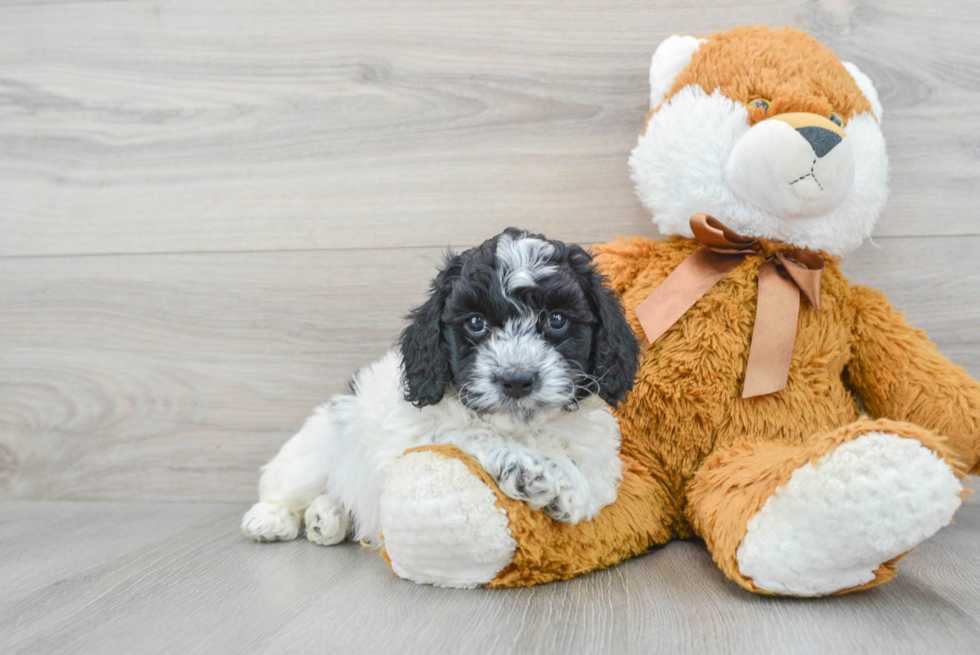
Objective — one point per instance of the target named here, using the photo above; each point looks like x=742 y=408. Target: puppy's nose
x=517 y=384
x=820 y=139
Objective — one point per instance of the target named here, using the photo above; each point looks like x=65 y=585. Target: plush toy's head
x=769 y=132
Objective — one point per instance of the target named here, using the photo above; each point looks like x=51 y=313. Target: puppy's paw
x=326 y=522
x=570 y=506
x=531 y=477
x=268 y=522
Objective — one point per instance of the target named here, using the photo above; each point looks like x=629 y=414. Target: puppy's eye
x=477 y=326
x=557 y=322
x=760 y=103
x=835 y=118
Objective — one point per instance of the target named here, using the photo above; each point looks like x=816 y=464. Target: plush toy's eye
x=835 y=118
x=477 y=326
x=557 y=322
x=760 y=103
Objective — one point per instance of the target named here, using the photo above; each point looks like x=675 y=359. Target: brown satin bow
x=781 y=280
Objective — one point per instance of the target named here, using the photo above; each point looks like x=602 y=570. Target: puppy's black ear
x=615 y=349
x=426 y=365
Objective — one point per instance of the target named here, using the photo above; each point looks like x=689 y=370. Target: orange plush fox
x=745 y=425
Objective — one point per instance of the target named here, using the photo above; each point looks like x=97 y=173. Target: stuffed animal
x=790 y=419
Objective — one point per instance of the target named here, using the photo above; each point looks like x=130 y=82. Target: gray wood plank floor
x=212 y=211
x=101 y=577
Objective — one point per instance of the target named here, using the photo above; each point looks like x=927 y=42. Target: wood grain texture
x=212 y=212
x=176 y=376
x=178 y=578
x=235 y=125
x=158 y=377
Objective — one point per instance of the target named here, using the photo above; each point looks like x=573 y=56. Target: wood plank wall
x=211 y=212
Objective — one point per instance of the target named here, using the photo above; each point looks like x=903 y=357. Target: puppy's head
x=517 y=326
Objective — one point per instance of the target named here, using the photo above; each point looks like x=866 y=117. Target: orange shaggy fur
x=789 y=68
x=699 y=460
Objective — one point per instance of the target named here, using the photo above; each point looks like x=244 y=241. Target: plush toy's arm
x=899 y=374
x=446 y=522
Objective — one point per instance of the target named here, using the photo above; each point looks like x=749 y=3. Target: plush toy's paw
x=441 y=524
x=326 y=522
x=530 y=477
x=837 y=521
x=268 y=522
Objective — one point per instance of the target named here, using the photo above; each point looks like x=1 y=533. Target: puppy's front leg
x=526 y=475
x=555 y=486
x=574 y=502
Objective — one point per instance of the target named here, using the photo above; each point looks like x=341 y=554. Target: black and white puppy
x=515 y=358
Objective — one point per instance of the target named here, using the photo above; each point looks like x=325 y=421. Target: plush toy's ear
x=424 y=358
x=616 y=352
x=672 y=56
x=867 y=87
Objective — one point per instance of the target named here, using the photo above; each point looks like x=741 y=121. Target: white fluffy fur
x=867 y=87
x=679 y=168
x=671 y=57
x=460 y=522
x=347 y=448
x=836 y=521
x=523 y=261
x=271 y=522
x=327 y=523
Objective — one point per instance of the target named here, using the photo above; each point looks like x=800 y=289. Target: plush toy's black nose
x=517 y=384
x=820 y=139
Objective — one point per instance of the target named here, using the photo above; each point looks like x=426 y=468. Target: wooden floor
x=97 y=577
x=211 y=211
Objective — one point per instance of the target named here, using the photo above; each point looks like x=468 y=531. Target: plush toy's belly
x=687 y=401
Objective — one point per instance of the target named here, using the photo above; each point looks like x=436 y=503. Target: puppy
x=515 y=358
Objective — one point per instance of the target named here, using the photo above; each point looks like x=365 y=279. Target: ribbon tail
x=682 y=288
x=806 y=273
x=773 y=334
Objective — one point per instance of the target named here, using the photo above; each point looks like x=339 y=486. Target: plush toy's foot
x=441 y=524
x=268 y=522
x=837 y=521
x=326 y=522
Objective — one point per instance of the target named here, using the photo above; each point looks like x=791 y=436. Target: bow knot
x=782 y=277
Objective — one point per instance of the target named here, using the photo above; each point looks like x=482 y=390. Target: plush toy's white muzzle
x=792 y=165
